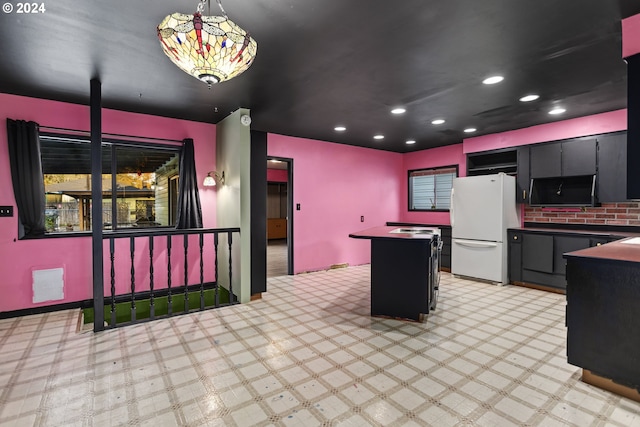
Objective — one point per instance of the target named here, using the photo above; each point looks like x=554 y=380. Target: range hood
x=563 y=191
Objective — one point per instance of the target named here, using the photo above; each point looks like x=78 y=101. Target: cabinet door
x=612 y=168
x=537 y=252
x=564 y=244
x=546 y=160
x=579 y=157
x=522 y=179
x=515 y=257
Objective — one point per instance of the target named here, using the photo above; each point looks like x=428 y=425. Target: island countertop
x=627 y=250
x=390 y=232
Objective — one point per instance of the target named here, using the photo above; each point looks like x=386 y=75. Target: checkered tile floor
x=309 y=354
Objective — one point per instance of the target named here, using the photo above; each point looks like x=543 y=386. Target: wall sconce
x=211 y=181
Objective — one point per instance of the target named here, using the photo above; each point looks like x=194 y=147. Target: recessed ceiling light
x=340 y=128
x=493 y=80
x=378 y=137
x=529 y=98
x=557 y=110
x=411 y=141
x=398 y=110
x=437 y=121
x=470 y=130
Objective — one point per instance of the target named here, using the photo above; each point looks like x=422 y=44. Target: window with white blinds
x=430 y=189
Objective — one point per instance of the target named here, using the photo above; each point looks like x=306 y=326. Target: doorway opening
x=279 y=216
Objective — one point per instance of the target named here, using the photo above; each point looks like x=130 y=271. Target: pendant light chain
x=200 y=7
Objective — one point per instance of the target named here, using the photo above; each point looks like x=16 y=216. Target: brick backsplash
x=627 y=213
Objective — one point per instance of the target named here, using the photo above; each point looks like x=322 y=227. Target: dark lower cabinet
x=536 y=257
x=445 y=256
x=515 y=256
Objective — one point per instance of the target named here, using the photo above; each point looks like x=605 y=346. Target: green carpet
x=161 y=304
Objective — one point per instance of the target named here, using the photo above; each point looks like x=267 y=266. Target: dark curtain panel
x=189 y=210
x=26 y=174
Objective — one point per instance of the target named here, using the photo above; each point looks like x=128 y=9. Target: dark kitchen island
x=404 y=270
x=603 y=315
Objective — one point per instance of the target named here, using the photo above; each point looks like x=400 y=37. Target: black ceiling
x=327 y=62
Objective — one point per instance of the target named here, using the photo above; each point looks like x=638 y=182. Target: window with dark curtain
x=26 y=175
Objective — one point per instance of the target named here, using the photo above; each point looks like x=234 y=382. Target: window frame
x=112 y=143
x=410 y=189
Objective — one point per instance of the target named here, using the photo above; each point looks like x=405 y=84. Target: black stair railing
x=137 y=293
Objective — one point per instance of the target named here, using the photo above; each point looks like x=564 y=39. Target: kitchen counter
x=404 y=270
x=579 y=232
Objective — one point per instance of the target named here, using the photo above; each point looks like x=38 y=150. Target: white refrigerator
x=482 y=208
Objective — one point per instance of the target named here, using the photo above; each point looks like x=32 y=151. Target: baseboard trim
x=540 y=287
x=607 y=384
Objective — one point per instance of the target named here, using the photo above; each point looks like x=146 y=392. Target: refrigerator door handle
x=475 y=243
x=451 y=216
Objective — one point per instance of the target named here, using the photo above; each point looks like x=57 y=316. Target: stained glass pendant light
x=210 y=48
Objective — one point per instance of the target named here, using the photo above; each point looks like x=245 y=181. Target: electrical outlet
x=6 y=210
x=298 y=206
x=362 y=218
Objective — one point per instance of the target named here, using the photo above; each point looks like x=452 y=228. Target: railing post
x=186 y=273
x=201 y=243
x=230 y=240
x=215 y=266
x=152 y=307
x=132 y=248
x=169 y=301
x=112 y=254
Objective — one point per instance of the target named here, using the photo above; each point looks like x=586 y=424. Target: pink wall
x=630 y=35
x=590 y=125
x=277 y=175
x=18 y=258
x=335 y=184
x=432 y=158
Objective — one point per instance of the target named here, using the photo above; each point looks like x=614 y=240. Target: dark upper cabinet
x=579 y=157
x=545 y=160
x=523 y=177
x=490 y=162
x=573 y=157
x=612 y=167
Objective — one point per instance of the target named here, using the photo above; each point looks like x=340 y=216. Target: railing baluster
x=169 y=301
x=215 y=266
x=230 y=240
x=186 y=273
x=132 y=248
x=112 y=254
x=152 y=307
x=201 y=243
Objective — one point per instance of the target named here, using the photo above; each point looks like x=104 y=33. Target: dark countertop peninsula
x=603 y=300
